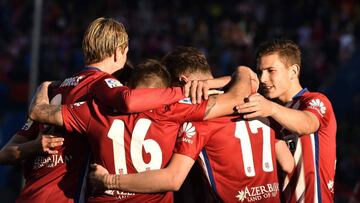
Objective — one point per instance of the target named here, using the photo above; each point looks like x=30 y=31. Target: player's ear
x=183 y=79
x=294 y=71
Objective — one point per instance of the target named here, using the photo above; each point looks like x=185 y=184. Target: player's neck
x=290 y=93
x=105 y=66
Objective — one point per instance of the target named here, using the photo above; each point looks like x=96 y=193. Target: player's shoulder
x=317 y=101
x=79 y=77
x=314 y=94
x=315 y=97
x=108 y=80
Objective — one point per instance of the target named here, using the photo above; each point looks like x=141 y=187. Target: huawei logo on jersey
x=318 y=105
x=186 y=132
x=188 y=129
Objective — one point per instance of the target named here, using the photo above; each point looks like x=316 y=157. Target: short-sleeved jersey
x=130 y=143
x=238 y=155
x=60 y=177
x=315 y=154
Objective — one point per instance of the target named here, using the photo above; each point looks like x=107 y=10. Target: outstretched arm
x=167 y=179
x=240 y=88
x=40 y=109
x=297 y=121
x=20 y=148
x=128 y=101
x=201 y=89
x=109 y=92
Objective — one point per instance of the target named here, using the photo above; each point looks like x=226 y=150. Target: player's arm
x=40 y=109
x=20 y=147
x=219 y=82
x=123 y=99
x=297 y=121
x=224 y=104
x=284 y=157
x=74 y=117
x=167 y=179
x=112 y=94
x=201 y=89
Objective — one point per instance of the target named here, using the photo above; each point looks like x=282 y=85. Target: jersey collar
x=299 y=94
x=87 y=68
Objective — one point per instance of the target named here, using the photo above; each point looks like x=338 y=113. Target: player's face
x=275 y=77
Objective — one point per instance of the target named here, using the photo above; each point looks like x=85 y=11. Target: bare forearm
x=148 y=182
x=45 y=113
x=13 y=154
x=9 y=155
x=299 y=122
x=224 y=104
x=284 y=157
x=219 y=82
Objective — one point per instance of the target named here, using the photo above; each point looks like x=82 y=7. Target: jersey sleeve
x=76 y=117
x=319 y=105
x=111 y=93
x=30 y=129
x=184 y=111
x=192 y=137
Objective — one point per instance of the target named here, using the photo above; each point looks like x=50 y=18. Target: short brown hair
x=185 y=60
x=288 y=51
x=102 y=37
x=150 y=73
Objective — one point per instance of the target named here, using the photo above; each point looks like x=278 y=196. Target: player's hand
x=244 y=72
x=48 y=143
x=196 y=90
x=97 y=177
x=254 y=82
x=256 y=106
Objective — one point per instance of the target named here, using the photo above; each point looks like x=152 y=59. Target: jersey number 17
x=242 y=133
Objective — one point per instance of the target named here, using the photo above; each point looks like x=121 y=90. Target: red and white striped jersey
x=315 y=154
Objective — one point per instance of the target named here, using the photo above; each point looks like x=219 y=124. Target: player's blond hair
x=289 y=52
x=102 y=37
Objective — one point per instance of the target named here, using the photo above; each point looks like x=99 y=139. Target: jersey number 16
x=116 y=133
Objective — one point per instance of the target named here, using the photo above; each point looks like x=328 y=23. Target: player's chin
x=270 y=95
x=267 y=94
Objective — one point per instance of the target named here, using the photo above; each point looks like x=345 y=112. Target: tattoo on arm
x=210 y=105
x=46 y=112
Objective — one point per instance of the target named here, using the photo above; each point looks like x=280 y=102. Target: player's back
x=130 y=143
x=59 y=177
x=238 y=156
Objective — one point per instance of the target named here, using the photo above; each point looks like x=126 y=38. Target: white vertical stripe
x=300 y=184
x=203 y=164
x=315 y=171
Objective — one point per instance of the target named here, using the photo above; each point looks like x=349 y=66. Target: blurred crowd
x=328 y=32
